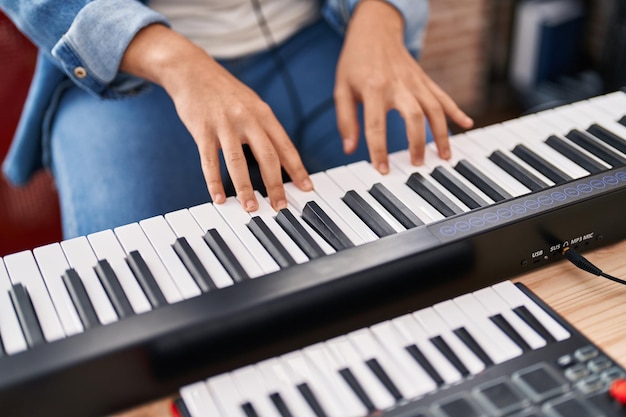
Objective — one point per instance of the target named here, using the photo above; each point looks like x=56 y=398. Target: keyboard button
x=585 y=160
x=366 y=213
x=321 y=222
x=570 y=406
x=146 y=279
x=482 y=181
x=540 y=382
x=114 y=290
x=10 y=330
x=22 y=303
x=456 y=187
x=518 y=172
x=500 y=397
x=79 y=297
x=395 y=206
x=458 y=406
x=193 y=264
x=227 y=258
x=541 y=165
x=270 y=242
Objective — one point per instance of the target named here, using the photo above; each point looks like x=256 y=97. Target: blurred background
x=499 y=59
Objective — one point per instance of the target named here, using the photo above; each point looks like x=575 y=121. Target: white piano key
x=327 y=369
x=132 y=238
x=332 y=194
x=267 y=213
x=403 y=164
x=208 y=218
x=496 y=305
x=413 y=331
x=434 y=326
x=516 y=298
x=80 y=256
x=277 y=380
x=10 y=329
x=162 y=238
x=52 y=264
x=535 y=143
x=298 y=199
x=347 y=181
x=474 y=310
x=253 y=387
x=237 y=219
x=368 y=348
x=198 y=400
x=184 y=225
x=455 y=318
x=395 y=181
x=395 y=345
x=614 y=104
x=299 y=371
x=225 y=394
x=348 y=358
x=23 y=269
x=106 y=247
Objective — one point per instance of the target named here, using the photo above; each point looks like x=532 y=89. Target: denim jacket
x=83 y=41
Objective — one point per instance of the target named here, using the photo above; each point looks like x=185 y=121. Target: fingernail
x=250 y=205
x=280 y=204
x=346 y=145
x=445 y=154
x=383 y=168
x=218 y=198
x=417 y=161
x=307 y=184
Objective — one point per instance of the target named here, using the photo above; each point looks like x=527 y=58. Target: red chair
x=29 y=216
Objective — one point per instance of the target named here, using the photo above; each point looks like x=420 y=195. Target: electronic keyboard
x=496 y=351
x=126 y=315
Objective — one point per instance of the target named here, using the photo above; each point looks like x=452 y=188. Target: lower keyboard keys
x=570 y=406
x=540 y=382
x=458 y=406
x=500 y=397
x=26 y=315
x=79 y=297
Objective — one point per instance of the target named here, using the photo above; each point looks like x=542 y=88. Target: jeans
x=118 y=161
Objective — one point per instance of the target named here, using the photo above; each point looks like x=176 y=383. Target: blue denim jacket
x=82 y=42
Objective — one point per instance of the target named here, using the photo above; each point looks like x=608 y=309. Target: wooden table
x=595 y=305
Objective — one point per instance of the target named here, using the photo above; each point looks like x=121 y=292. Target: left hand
x=376 y=69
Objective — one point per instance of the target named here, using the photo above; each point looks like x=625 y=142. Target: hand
x=376 y=69
x=220 y=112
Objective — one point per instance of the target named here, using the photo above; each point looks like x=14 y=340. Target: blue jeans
x=118 y=161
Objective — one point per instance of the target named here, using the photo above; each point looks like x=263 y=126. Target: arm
x=220 y=112
x=377 y=69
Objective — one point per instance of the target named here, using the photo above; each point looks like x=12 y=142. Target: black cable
x=583 y=263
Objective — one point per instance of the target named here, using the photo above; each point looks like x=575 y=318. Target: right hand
x=220 y=112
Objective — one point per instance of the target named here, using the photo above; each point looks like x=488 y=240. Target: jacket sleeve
x=85 y=39
x=414 y=12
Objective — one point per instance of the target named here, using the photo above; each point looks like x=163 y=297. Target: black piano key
x=248 y=410
x=357 y=388
x=395 y=207
x=225 y=256
x=581 y=139
x=280 y=405
x=2 y=352
x=190 y=259
x=417 y=354
x=623 y=120
x=432 y=195
x=456 y=187
x=608 y=137
x=270 y=242
x=367 y=213
x=146 y=279
x=298 y=234
x=315 y=217
x=114 y=290
x=575 y=155
x=532 y=321
x=517 y=171
x=481 y=181
x=311 y=400
x=384 y=378
x=181 y=408
x=541 y=165
x=474 y=346
x=449 y=354
x=81 y=300
x=26 y=315
x=510 y=331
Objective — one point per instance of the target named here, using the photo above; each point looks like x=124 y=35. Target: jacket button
x=80 y=72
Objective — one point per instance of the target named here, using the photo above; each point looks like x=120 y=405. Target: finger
x=375 y=114
x=414 y=120
x=269 y=165
x=450 y=108
x=210 y=161
x=347 y=120
x=289 y=157
x=437 y=121
x=238 y=170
